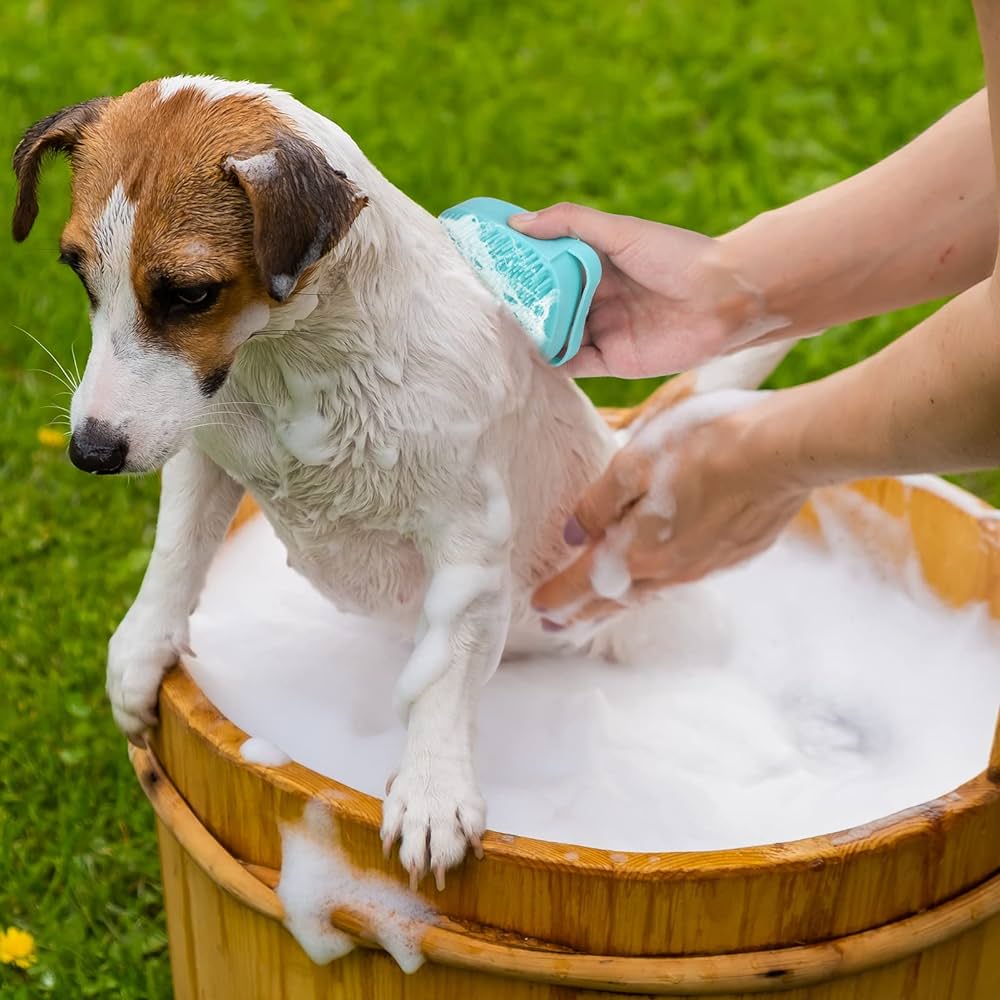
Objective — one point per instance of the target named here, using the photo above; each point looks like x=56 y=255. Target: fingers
x=604 y=232
x=561 y=597
x=592 y=609
x=603 y=503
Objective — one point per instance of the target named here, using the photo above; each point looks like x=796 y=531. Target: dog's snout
x=97 y=447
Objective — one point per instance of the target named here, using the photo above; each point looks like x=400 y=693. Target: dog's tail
x=744 y=370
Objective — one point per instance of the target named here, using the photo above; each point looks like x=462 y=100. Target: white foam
x=258 y=751
x=451 y=590
x=317 y=877
x=658 y=434
x=797 y=695
x=609 y=573
x=518 y=296
x=665 y=427
x=499 y=518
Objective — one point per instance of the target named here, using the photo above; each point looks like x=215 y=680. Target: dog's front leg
x=197 y=502
x=433 y=805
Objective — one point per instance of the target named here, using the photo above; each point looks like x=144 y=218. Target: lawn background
x=695 y=113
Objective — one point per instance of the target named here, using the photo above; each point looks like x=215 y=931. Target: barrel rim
x=477 y=947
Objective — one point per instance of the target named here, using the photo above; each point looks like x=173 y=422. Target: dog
x=271 y=315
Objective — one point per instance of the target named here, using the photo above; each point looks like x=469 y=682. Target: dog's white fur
x=411 y=449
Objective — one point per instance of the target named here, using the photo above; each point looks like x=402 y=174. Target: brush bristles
x=513 y=271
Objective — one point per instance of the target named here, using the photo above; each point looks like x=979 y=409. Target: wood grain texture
x=601 y=904
x=448 y=943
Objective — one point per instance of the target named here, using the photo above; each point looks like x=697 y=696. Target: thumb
x=604 y=502
x=603 y=231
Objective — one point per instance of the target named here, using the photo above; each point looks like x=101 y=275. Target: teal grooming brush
x=547 y=284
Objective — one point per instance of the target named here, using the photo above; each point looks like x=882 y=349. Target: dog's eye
x=74 y=259
x=191 y=299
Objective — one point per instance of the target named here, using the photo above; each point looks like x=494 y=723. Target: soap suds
x=664 y=427
x=498 y=513
x=514 y=286
x=386 y=456
x=609 y=573
x=317 y=877
x=451 y=590
x=658 y=433
x=258 y=751
x=299 y=423
x=802 y=693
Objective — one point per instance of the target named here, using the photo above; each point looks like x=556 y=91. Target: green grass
x=697 y=113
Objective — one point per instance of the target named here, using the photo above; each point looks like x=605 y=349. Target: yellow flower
x=51 y=438
x=17 y=947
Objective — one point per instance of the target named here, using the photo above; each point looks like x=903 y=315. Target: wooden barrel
x=907 y=908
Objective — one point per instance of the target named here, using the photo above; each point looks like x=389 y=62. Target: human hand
x=694 y=490
x=666 y=301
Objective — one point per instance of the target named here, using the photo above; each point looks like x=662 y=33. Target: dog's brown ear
x=302 y=208
x=59 y=133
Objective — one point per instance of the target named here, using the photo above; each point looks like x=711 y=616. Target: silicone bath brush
x=548 y=285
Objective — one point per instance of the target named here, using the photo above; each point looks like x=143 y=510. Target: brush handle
x=590 y=264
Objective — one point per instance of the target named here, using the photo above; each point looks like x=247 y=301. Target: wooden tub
x=907 y=908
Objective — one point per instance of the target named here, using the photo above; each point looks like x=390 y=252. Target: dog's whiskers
x=57 y=377
x=76 y=364
x=198 y=427
x=67 y=378
x=237 y=402
x=224 y=409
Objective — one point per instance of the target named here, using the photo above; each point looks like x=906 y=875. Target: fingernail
x=550 y=626
x=523 y=217
x=573 y=533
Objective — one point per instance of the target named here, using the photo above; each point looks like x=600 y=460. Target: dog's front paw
x=435 y=811
x=140 y=652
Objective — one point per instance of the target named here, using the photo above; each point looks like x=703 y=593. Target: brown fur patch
x=194 y=223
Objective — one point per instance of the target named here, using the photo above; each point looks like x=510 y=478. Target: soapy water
x=802 y=693
x=515 y=285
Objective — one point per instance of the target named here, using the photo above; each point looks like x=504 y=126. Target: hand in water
x=666 y=301
x=690 y=493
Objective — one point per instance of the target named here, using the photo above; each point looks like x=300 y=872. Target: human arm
x=916 y=226
x=728 y=486
x=928 y=402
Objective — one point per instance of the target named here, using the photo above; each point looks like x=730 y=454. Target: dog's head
x=196 y=209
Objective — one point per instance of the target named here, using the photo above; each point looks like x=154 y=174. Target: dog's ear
x=302 y=208
x=59 y=133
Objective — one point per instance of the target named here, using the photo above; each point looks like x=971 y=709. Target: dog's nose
x=97 y=447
